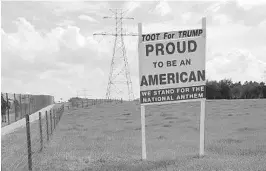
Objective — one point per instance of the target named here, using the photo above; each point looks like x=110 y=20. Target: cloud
x=66 y=23
x=131 y=6
x=60 y=8
x=221 y=19
x=248 y=5
x=72 y=38
x=215 y=7
x=87 y=18
x=29 y=40
x=27 y=43
x=236 y=12
x=61 y=56
x=238 y=64
x=163 y=8
x=262 y=24
x=186 y=16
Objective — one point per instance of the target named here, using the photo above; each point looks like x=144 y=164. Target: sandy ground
x=108 y=137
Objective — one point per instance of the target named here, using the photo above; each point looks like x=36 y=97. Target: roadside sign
x=171 y=70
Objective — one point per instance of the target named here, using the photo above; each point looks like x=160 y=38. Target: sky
x=49 y=47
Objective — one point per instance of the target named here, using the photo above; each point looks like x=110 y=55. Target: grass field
x=108 y=137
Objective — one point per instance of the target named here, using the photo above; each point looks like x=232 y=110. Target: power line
x=264 y=76
x=85 y=92
x=82 y=92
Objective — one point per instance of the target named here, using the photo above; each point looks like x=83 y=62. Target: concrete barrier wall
x=22 y=122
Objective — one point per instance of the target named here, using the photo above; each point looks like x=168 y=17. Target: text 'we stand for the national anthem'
x=172 y=94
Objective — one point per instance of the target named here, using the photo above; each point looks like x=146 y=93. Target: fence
x=21 y=105
x=90 y=102
x=38 y=133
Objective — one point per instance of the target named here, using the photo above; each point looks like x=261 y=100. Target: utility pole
x=264 y=76
x=119 y=70
x=84 y=93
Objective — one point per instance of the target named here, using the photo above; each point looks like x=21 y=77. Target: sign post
x=172 y=70
x=142 y=107
x=202 y=108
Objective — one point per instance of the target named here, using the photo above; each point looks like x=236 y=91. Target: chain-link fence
x=21 y=148
x=16 y=106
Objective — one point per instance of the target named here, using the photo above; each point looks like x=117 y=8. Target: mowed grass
x=108 y=137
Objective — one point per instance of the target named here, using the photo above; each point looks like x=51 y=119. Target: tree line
x=226 y=89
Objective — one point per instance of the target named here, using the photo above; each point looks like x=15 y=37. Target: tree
x=236 y=91
x=264 y=91
x=225 y=90
x=213 y=90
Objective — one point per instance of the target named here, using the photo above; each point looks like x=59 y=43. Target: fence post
x=57 y=117
x=33 y=104
x=54 y=119
x=29 y=103
x=47 y=126
x=7 y=108
x=51 y=121
x=54 y=114
x=25 y=112
x=40 y=124
x=15 y=107
x=62 y=110
x=20 y=106
x=28 y=142
x=58 y=113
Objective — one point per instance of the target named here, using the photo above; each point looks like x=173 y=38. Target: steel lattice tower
x=263 y=76
x=119 y=76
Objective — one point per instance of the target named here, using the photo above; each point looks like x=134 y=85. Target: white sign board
x=172 y=69
x=172 y=66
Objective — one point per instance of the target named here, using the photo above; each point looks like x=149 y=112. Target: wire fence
x=15 y=106
x=82 y=103
x=22 y=148
x=19 y=151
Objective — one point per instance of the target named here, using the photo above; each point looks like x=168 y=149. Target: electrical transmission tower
x=264 y=76
x=84 y=93
x=119 y=77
